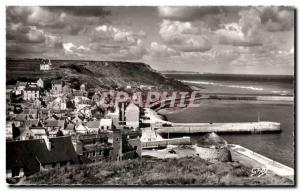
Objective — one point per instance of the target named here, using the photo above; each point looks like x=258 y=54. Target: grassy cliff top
x=147 y=171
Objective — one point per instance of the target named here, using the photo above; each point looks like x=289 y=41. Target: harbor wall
x=246 y=127
x=263 y=162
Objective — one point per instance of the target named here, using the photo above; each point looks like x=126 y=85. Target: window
x=102 y=127
x=94 y=153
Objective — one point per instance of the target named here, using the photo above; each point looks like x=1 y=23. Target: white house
x=132 y=115
x=45 y=65
x=31 y=92
x=105 y=124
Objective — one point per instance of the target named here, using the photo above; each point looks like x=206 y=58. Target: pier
x=166 y=142
x=242 y=127
x=261 y=161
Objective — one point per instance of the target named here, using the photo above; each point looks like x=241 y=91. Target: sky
x=205 y=39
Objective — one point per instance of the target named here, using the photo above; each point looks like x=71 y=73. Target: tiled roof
x=29 y=153
x=93 y=124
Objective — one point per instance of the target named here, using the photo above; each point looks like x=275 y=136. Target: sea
x=277 y=146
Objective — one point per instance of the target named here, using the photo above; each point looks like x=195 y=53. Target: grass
x=184 y=171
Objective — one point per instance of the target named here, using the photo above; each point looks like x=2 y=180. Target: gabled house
x=31 y=92
x=81 y=129
x=69 y=129
x=45 y=65
x=20 y=86
x=56 y=87
x=52 y=124
x=93 y=126
x=30 y=156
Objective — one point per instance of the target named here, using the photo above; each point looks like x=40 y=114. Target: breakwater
x=242 y=127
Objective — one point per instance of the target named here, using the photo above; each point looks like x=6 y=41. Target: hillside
x=104 y=74
x=184 y=171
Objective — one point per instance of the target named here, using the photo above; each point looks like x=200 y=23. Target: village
x=50 y=124
x=63 y=126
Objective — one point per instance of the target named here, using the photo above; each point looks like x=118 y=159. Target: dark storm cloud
x=86 y=11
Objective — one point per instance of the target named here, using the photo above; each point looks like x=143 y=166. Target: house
x=94 y=147
x=81 y=129
x=31 y=92
x=40 y=83
x=93 y=126
x=9 y=130
x=58 y=104
x=56 y=87
x=115 y=116
x=52 y=124
x=69 y=129
x=30 y=156
x=66 y=89
x=38 y=132
x=45 y=65
x=32 y=113
x=20 y=119
x=132 y=115
x=25 y=134
x=20 y=86
x=105 y=124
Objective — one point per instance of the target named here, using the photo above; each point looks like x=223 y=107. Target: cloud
x=116 y=36
x=117 y=43
x=247 y=32
x=277 y=18
x=183 y=36
x=36 y=16
x=61 y=19
x=161 y=50
x=71 y=49
x=30 y=40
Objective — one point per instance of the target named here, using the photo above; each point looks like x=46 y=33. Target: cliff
x=104 y=74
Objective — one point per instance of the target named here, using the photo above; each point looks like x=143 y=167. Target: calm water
x=279 y=146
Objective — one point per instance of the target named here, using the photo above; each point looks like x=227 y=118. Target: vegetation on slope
x=105 y=74
x=184 y=171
